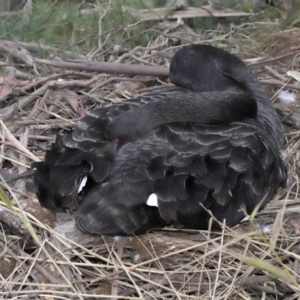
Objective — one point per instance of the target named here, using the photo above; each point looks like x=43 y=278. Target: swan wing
x=191 y=169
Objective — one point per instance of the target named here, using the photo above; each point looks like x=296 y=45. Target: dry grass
x=256 y=260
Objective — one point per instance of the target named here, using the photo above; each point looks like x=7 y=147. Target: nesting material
x=286 y=97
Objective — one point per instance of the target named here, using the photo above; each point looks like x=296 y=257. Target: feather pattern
x=212 y=143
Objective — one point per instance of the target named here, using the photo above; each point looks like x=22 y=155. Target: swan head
x=205 y=68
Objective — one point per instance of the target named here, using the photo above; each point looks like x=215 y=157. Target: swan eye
x=152 y=200
x=82 y=184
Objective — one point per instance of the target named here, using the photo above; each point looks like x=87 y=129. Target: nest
x=44 y=256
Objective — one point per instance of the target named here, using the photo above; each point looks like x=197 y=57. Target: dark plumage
x=214 y=139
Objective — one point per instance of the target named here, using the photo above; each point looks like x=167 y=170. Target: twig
x=273 y=60
x=275 y=74
x=50 y=49
x=21 y=184
x=20 y=176
x=147 y=262
x=43 y=80
x=14 y=142
x=111 y=68
x=15 y=51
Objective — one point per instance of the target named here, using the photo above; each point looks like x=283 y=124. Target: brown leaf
x=73 y=99
x=6 y=90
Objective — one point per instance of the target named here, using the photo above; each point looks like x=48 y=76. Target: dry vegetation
x=256 y=260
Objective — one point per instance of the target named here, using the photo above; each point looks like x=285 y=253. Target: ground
x=44 y=256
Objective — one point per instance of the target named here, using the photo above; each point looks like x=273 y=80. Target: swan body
x=209 y=145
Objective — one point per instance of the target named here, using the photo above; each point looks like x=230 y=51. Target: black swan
x=210 y=145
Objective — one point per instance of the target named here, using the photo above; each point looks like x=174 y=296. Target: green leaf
x=4 y=198
x=279 y=273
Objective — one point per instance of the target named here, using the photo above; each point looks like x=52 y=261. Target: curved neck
x=205 y=68
x=215 y=87
x=182 y=105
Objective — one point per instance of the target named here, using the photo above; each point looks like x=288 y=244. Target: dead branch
x=15 y=143
x=15 y=52
x=110 y=68
x=273 y=60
